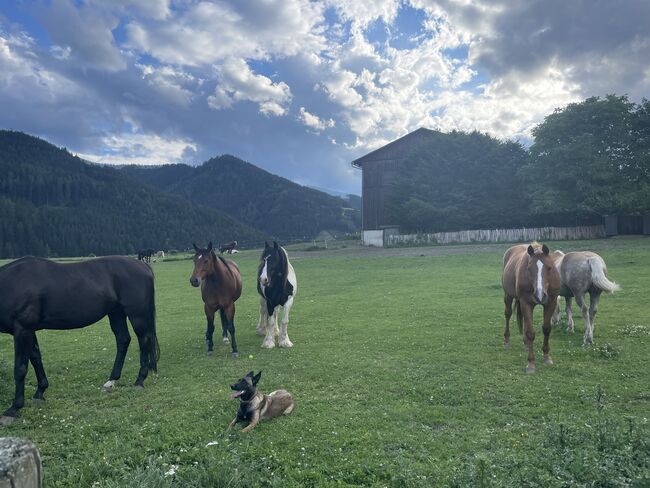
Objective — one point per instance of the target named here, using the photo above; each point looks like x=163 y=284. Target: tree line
x=587 y=160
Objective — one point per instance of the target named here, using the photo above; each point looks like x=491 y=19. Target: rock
x=20 y=464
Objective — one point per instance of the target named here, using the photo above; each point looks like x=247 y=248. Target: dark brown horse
x=530 y=278
x=40 y=294
x=220 y=283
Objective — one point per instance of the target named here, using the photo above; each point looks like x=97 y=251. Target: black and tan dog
x=254 y=405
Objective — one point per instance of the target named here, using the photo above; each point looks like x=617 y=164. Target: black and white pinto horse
x=277 y=286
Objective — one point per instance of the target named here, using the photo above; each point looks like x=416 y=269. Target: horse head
x=543 y=276
x=273 y=265
x=203 y=264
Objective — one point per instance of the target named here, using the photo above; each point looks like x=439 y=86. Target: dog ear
x=250 y=374
x=545 y=249
x=257 y=377
x=531 y=251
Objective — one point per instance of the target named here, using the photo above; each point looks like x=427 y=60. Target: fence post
x=20 y=464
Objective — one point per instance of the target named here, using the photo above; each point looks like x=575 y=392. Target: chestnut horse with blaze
x=530 y=278
x=221 y=286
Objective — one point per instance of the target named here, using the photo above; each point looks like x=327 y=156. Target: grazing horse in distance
x=38 y=294
x=145 y=255
x=229 y=248
x=277 y=286
x=582 y=272
x=530 y=278
x=221 y=286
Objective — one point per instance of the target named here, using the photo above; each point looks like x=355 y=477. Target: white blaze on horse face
x=264 y=278
x=538 y=289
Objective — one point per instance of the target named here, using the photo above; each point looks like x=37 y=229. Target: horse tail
x=151 y=348
x=599 y=275
x=520 y=319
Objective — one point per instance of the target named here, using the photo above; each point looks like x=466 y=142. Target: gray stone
x=20 y=464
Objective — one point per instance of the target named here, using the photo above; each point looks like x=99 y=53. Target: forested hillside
x=55 y=204
x=255 y=197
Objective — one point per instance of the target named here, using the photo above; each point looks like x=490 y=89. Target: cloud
x=85 y=33
x=144 y=149
x=237 y=82
x=314 y=122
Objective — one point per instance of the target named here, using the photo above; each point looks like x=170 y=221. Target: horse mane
x=284 y=263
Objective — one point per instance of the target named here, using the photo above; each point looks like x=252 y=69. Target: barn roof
x=388 y=151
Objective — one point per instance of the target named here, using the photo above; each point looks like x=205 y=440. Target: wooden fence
x=497 y=235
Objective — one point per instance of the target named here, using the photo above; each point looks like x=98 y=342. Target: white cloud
x=237 y=82
x=314 y=122
x=144 y=149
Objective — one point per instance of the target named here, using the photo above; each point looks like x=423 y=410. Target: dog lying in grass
x=254 y=405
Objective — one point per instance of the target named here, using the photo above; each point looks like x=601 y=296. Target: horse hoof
x=138 y=387
x=530 y=370
x=108 y=386
x=286 y=343
x=268 y=345
x=234 y=354
x=210 y=353
x=226 y=340
x=5 y=420
x=548 y=362
x=38 y=401
x=506 y=345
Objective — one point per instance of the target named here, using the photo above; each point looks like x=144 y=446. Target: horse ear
x=257 y=377
x=545 y=249
x=275 y=245
x=266 y=244
x=531 y=251
x=209 y=246
x=195 y=248
x=250 y=374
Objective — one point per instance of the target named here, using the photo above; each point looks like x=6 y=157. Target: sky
x=301 y=88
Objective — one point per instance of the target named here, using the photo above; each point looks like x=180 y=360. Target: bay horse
x=221 y=286
x=38 y=294
x=582 y=272
x=277 y=286
x=530 y=278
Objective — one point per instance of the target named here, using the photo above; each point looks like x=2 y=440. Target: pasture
x=398 y=373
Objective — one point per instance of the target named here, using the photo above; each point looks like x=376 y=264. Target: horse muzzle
x=194 y=281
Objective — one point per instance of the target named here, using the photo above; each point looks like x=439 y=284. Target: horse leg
x=269 y=341
x=529 y=333
x=264 y=317
x=588 y=337
x=224 y=328
x=549 y=310
x=41 y=378
x=555 y=319
x=569 y=315
x=122 y=341
x=507 y=300
x=284 y=337
x=148 y=343
x=593 y=310
x=209 y=332
x=23 y=347
x=228 y=315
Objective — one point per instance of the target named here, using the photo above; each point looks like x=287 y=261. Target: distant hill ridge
x=275 y=205
x=55 y=204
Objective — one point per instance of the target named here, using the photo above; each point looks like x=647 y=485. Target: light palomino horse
x=530 y=278
x=277 y=286
x=580 y=273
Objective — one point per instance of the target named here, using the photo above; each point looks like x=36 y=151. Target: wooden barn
x=379 y=169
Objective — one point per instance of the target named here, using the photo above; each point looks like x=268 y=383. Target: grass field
x=398 y=373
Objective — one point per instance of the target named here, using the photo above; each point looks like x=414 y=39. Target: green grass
x=398 y=373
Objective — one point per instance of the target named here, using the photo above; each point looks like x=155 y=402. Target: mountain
x=55 y=204
x=262 y=200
